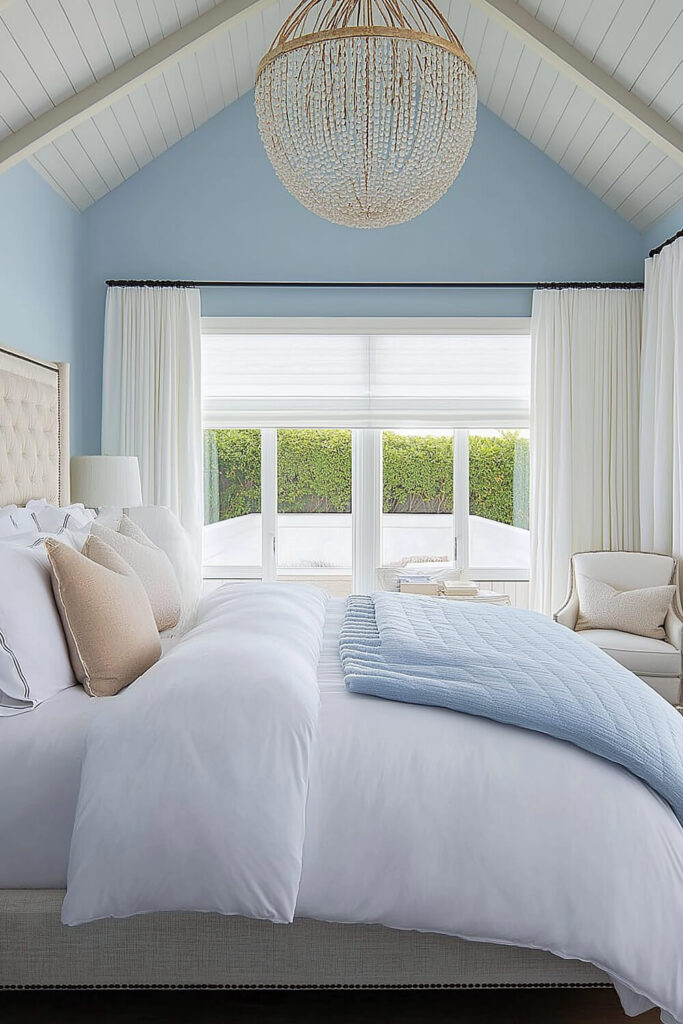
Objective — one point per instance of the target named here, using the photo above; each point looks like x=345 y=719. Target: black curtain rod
x=655 y=252
x=376 y=284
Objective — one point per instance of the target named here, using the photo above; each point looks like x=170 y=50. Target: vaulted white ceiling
x=53 y=50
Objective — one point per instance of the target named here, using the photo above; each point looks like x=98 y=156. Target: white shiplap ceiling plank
x=626 y=24
x=114 y=34
x=35 y=47
x=13 y=112
x=58 y=30
x=90 y=138
x=20 y=75
x=240 y=56
x=508 y=65
x=596 y=25
x=573 y=117
x=167 y=14
x=149 y=13
x=659 y=21
x=163 y=108
x=473 y=34
x=134 y=26
x=522 y=83
x=82 y=165
x=663 y=64
x=187 y=10
x=52 y=182
x=226 y=68
x=489 y=58
x=271 y=22
x=553 y=111
x=666 y=200
x=256 y=42
x=212 y=83
x=571 y=18
x=624 y=153
x=132 y=75
x=663 y=175
x=570 y=62
x=602 y=148
x=181 y=104
x=148 y=120
x=671 y=94
x=543 y=82
x=583 y=138
x=189 y=70
x=128 y=121
x=456 y=16
x=58 y=168
x=630 y=177
x=112 y=134
x=89 y=36
x=548 y=11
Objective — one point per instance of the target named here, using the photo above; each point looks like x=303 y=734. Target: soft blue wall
x=42 y=286
x=211 y=208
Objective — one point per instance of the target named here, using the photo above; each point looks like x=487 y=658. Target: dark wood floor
x=545 y=1006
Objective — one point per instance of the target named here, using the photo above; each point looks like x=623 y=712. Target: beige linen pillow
x=151 y=564
x=631 y=611
x=106 y=615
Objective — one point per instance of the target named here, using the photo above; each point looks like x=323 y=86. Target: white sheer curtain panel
x=151 y=395
x=661 y=406
x=585 y=365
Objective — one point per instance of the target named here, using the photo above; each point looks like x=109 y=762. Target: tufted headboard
x=34 y=429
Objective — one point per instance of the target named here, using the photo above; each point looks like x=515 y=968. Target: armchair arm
x=673 y=625
x=569 y=612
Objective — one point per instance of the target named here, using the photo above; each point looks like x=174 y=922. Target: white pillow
x=641 y=612
x=164 y=529
x=53 y=519
x=152 y=566
x=15 y=521
x=34 y=657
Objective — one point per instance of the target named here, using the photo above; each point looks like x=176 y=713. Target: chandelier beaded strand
x=367 y=108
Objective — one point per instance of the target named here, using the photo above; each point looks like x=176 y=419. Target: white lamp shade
x=106 y=480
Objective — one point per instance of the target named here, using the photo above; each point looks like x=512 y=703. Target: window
x=335 y=448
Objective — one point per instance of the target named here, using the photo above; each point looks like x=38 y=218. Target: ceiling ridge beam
x=584 y=73
x=101 y=94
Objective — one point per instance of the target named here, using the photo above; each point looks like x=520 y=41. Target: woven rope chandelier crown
x=366 y=108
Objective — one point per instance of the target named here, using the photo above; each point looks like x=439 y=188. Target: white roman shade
x=458 y=380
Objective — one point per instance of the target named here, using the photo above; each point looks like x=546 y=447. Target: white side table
x=483 y=597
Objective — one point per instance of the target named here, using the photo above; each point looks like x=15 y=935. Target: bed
x=331 y=941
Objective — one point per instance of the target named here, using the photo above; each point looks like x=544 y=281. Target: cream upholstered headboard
x=34 y=429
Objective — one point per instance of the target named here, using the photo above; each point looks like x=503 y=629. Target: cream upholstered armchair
x=657 y=662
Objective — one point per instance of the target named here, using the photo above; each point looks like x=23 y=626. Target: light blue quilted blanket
x=516 y=667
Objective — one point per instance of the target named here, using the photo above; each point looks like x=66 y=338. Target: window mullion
x=461 y=496
x=269 y=504
x=366 y=505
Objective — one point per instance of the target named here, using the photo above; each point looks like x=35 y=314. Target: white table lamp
x=100 y=481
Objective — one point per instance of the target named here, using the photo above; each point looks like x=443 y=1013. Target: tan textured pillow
x=106 y=615
x=151 y=564
x=632 y=611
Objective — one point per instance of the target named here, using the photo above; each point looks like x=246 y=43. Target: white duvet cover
x=420 y=818
x=194 y=780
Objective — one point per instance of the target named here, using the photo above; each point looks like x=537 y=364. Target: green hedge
x=314 y=474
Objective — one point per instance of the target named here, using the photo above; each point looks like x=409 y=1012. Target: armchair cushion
x=641 y=611
x=642 y=655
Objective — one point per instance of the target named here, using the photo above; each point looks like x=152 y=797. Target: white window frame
x=367 y=447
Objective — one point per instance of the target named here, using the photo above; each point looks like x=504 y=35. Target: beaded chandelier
x=366 y=108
